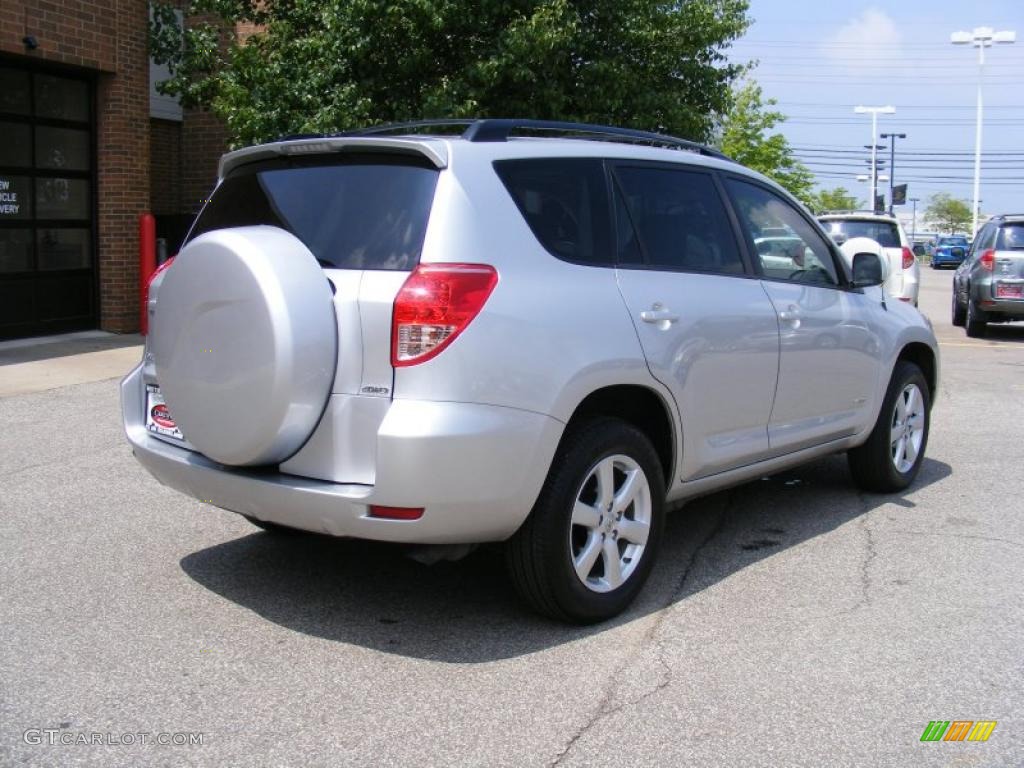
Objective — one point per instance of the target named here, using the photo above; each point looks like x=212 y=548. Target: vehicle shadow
x=372 y=595
x=1004 y=332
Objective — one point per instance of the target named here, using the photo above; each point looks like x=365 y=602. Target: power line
x=849 y=105
x=922 y=151
x=802 y=45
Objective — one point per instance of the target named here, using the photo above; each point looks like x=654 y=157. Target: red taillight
x=988 y=260
x=434 y=305
x=908 y=258
x=396 y=513
x=145 y=294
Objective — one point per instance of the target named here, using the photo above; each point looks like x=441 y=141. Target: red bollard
x=147 y=265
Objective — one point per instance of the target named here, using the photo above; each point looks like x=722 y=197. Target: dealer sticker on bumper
x=158 y=418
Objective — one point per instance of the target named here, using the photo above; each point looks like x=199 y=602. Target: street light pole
x=913 y=221
x=874 y=112
x=892 y=162
x=981 y=38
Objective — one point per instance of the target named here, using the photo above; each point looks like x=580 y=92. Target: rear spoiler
x=434 y=150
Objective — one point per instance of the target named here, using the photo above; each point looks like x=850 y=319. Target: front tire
x=891 y=458
x=590 y=541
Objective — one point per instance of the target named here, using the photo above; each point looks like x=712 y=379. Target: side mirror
x=867 y=270
x=919 y=250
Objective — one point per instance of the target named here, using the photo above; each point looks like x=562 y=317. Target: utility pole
x=874 y=112
x=913 y=221
x=892 y=161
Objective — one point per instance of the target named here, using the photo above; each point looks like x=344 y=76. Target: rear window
x=565 y=202
x=884 y=233
x=948 y=242
x=358 y=214
x=1011 y=237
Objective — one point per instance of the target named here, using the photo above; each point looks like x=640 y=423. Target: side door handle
x=659 y=315
x=790 y=316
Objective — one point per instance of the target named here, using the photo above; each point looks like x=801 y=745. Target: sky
x=821 y=59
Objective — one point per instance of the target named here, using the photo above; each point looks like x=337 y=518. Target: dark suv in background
x=989 y=286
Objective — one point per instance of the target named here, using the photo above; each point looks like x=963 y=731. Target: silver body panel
x=756 y=375
x=734 y=355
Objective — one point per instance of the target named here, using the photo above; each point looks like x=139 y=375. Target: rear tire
x=891 y=458
x=590 y=541
x=959 y=313
x=975 y=321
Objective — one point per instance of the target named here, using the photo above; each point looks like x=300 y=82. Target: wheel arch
x=923 y=356
x=645 y=409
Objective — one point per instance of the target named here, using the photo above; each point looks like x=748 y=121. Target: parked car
x=988 y=287
x=904 y=278
x=949 y=251
x=450 y=340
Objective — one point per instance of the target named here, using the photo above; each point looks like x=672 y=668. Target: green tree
x=838 y=199
x=317 y=66
x=746 y=136
x=948 y=213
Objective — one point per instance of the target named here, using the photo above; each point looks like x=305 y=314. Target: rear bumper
x=1011 y=308
x=475 y=469
x=983 y=292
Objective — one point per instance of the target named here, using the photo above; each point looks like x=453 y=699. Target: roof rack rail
x=500 y=129
x=1006 y=216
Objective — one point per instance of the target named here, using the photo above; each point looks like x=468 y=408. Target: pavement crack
x=953 y=535
x=870 y=553
x=603 y=710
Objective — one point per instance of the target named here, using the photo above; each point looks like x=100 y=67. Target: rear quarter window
x=565 y=204
x=1011 y=238
x=353 y=214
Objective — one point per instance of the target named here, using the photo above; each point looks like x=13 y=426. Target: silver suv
x=542 y=340
x=988 y=287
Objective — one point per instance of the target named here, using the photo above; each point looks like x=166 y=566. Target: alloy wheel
x=907 y=431
x=611 y=523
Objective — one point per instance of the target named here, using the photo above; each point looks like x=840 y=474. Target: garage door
x=47 y=208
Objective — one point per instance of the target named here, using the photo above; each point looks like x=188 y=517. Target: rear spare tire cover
x=244 y=340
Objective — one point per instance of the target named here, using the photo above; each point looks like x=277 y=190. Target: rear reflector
x=908 y=258
x=987 y=261
x=396 y=513
x=434 y=305
x=144 y=330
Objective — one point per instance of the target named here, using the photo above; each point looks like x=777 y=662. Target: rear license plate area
x=158 y=418
x=1009 y=290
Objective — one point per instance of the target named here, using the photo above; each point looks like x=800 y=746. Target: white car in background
x=904 y=273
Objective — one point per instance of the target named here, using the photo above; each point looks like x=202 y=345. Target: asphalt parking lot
x=792 y=621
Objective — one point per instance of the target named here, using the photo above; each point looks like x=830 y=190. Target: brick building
x=85 y=147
